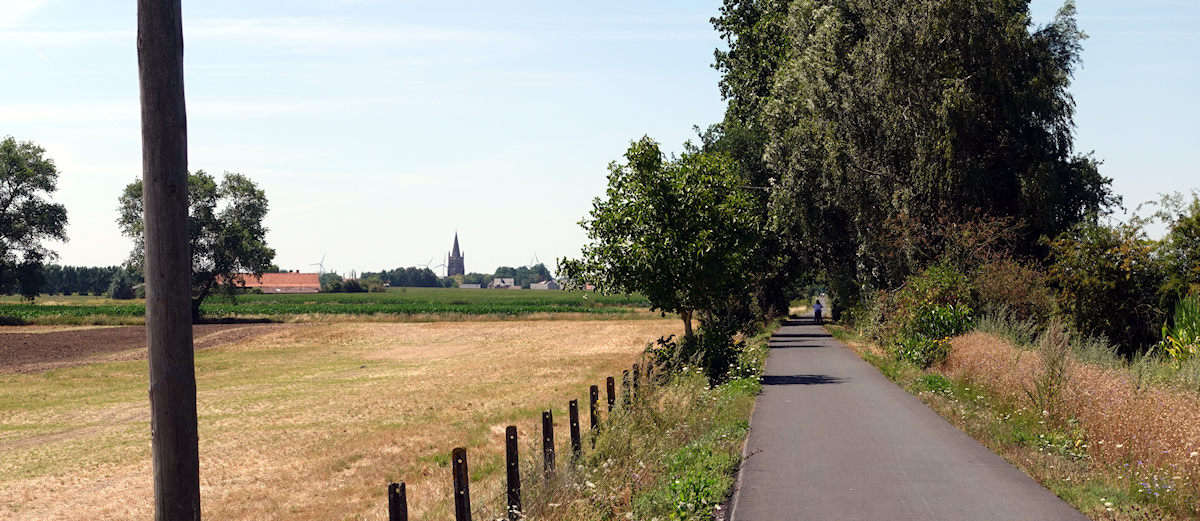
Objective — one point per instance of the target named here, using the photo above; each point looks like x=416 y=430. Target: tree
x=678 y=231
x=331 y=283
x=1107 y=280
x=929 y=108
x=121 y=287
x=226 y=232
x=27 y=179
x=1179 y=250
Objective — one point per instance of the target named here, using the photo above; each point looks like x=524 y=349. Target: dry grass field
x=308 y=421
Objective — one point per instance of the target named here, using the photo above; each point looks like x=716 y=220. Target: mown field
x=397 y=304
x=309 y=421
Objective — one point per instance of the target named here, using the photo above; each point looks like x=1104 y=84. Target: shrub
x=1019 y=288
x=1181 y=339
x=929 y=309
x=925 y=340
x=1108 y=279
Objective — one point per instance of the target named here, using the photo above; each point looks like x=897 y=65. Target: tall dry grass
x=1149 y=434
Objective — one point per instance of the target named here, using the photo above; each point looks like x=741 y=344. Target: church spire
x=454 y=264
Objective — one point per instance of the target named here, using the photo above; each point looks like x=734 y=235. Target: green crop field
x=397 y=303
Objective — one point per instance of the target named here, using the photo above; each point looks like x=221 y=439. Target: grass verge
x=670 y=454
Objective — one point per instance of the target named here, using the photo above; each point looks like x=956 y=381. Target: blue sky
x=379 y=128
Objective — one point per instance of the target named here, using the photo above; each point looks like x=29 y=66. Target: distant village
x=536 y=277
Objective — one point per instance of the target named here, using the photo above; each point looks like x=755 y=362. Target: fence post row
x=398 y=496
x=397 y=502
x=514 y=473
x=576 y=442
x=462 y=493
x=611 y=388
x=548 y=443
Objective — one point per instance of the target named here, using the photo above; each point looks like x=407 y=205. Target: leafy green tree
x=929 y=108
x=122 y=285
x=27 y=219
x=678 y=231
x=373 y=283
x=483 y=279
x=1108 y=279
x=331 y=283
x=757 y=41
x=227 y=235
x=1179 y=250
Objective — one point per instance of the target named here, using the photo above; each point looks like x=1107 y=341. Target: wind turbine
x=429 y=266
x=320 y=265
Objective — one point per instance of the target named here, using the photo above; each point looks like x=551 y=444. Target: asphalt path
x=832 y=439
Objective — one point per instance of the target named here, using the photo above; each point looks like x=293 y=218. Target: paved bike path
x=832 y=439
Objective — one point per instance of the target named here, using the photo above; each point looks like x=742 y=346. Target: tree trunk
x=168 y=262
x=687 y=323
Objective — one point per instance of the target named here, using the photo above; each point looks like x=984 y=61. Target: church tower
x=454 y=265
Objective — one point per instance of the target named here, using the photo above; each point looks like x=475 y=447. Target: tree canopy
x=679 y=231
x=227 y=235
x=869 y=112
x=27 y=218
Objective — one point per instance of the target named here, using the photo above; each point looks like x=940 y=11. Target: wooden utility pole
x=168 y=263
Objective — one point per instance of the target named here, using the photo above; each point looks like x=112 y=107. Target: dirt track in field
x=33 y=349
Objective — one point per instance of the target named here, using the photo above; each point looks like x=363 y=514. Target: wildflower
x=1194 y=454
x=1120 y=445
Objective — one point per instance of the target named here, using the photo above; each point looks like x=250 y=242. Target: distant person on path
x=817 y=312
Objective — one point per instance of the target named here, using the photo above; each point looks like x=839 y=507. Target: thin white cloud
x=268 y=108
x=69 y=112
x=63 y=37
x=320 y=33
x=14 y=12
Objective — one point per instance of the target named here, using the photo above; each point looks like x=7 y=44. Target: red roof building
x=287 y=282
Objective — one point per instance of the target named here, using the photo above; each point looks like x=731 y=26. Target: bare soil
x=33 y=349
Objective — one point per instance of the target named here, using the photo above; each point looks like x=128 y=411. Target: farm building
x=470 y=286
x=287 y=282
x=504 y=283
x=549 y=284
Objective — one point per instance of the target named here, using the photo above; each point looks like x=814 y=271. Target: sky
x=380 y=128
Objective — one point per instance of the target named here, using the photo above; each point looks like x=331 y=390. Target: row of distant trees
x=122 y=282
x=415 y=277
x=522 y=276
x=77 y=280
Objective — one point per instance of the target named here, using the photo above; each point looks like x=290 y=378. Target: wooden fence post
x=548 y=443
x=637 y=374
x=593 y=398
x=514 y=473
x=625 y=387
x=397 y=502
x=576 y=443
x=462 y=492
x=610 y=387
